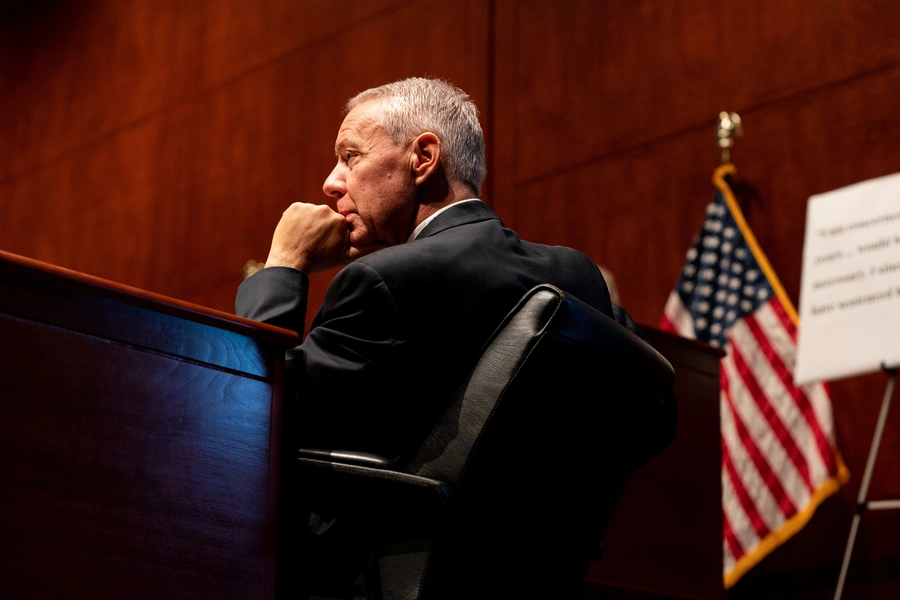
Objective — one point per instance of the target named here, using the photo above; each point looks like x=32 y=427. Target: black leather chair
x=512 y=491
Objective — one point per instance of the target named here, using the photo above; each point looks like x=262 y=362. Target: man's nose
x=335 y=185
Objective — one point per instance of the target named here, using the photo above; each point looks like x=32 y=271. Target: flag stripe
x=778 y=333
x=800 y=402
x=747 y=401
x=769 y=374
x=666 y=325
x=748 y=507
x=743 y=509
x=750 y=479
x=678 y=317
x=820 y=405
x=731 y=511
x=786 y=322
x=728 y=561
x=739 y=395
x=762 y=515
x=773 y=319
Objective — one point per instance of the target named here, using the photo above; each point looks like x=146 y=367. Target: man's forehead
x=348 y=135
x=359 y=126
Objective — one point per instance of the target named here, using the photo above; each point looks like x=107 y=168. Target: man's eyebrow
x=345 y=140
x=340 y=144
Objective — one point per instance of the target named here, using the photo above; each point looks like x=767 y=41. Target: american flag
x=779 y=458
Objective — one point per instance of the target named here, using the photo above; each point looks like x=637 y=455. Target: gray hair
x=413 y=106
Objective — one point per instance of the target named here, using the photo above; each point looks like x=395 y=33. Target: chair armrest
x=336 y=488
x=363 y=459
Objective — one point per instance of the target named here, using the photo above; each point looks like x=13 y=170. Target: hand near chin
x=311 y=238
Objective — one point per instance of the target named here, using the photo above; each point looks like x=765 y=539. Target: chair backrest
x=538 y=443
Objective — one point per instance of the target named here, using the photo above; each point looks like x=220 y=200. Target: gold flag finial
x=728 y=128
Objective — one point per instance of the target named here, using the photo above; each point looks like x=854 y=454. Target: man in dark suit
x=431 y=271
x=399 y=327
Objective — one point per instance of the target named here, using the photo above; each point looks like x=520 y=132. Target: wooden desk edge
x=13 y=263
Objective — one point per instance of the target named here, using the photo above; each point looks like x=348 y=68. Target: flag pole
x=832 y=484
x=861 y=504
x=729 y=127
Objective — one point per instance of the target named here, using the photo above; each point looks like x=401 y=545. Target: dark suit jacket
x=400 y=327
x=393 y=340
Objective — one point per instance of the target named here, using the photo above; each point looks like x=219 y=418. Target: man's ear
x=426 y=156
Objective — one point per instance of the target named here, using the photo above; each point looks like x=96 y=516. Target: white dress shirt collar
x=425 y=223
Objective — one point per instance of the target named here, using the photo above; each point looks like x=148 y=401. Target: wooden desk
x=139 y=442
x=665 y=538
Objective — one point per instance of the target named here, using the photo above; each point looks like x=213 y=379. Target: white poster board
x=850 y=287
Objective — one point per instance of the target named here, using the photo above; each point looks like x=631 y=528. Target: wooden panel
x=637 y=212
x=72 y=293
x=590 y=77
x=82 y=70
x=140 y=442
x=124 y=486
x=113 y=320
x=178 y=202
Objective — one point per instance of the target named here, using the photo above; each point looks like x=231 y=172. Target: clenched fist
x=312 y=238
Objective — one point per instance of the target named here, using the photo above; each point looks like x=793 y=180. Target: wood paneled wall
x=605 y=120
x=156 y=143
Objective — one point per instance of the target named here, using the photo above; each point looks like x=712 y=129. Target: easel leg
x=867 y=478
x=847 y=552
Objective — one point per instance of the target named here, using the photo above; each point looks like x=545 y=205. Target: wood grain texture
x=69 y=295
x=140 y=449
x=178 y=202
x=134 y=326
x=600 y=76
x=128 y=486
x=636 y=212
x=83 y=71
